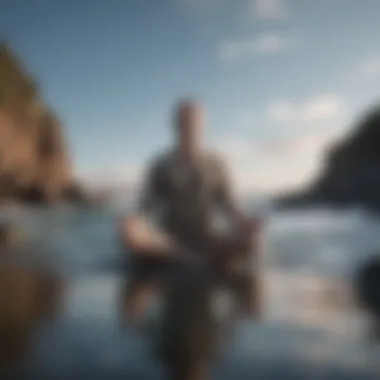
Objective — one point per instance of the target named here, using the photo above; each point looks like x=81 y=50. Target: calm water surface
x=308 y=255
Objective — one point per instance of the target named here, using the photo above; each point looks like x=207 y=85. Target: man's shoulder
x=161 y=160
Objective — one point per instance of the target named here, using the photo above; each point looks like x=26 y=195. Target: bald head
x=189 y=123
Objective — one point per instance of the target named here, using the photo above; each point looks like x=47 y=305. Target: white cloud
x=320 y=108
x=276 y=165
x=311 y=144
x=235 y=148
x=238 y=149
x=268 y=43
x=272 y=175
x=270 y=179
x=285 y=163
x=270 y=9
x=370 y=68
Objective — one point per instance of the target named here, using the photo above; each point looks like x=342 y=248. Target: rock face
x=34 y=160
x=351 y=174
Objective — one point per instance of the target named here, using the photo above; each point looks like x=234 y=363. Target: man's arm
x=225 y=199
x=142 y=231
x=145 y=214
x=147 y=203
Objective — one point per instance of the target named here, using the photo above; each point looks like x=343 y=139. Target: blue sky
x=279 y=78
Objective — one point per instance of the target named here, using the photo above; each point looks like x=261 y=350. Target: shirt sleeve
x=150 y=193
x=224 y=195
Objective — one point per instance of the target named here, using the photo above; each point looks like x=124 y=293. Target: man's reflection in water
x=189 y=334
x=146 y=281
x=28 y=297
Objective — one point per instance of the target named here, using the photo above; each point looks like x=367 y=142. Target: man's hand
x=140 y=237
x=144 y=240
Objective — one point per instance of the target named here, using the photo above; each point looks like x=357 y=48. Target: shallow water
x=310 y=326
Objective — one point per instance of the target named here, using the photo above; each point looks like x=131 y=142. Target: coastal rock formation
x=34 y=161
x=351 y=174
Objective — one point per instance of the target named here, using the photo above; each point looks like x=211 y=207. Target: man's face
x=190 y=125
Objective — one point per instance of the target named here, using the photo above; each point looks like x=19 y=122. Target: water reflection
x=86 y=341
x=136 y=297
x=187 y=330
x=190 y=331
x=29 y=297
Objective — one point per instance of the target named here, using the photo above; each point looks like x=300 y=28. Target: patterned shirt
x=183 y=196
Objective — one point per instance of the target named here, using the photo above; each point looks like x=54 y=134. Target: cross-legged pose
x=184 y=189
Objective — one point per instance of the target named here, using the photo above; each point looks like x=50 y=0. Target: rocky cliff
x=351 y=173
x=34 y=159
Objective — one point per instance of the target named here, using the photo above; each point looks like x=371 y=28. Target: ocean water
x=311 y=325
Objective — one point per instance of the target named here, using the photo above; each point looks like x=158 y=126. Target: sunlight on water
x=309 y=312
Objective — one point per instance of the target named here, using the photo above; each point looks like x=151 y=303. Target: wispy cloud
x=235 y=148
x=265 y=44
x=370 y=68
x=309 y=144
x=278 y=164
x=274 y=165
x=319 y=108
x=270 y=9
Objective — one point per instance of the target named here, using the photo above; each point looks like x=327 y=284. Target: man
x=184 y=189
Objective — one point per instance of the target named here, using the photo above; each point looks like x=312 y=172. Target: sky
x=279 y=79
